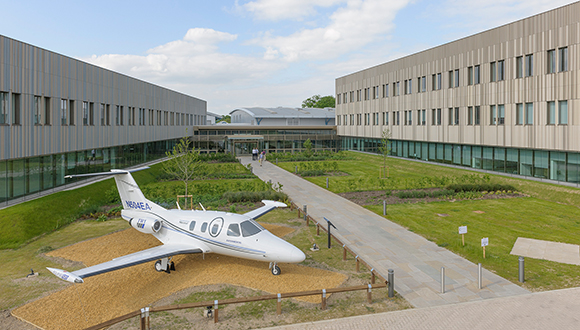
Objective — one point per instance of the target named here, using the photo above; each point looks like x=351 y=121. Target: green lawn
x=550 y=213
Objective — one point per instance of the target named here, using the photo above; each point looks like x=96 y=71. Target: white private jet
x=184 y=232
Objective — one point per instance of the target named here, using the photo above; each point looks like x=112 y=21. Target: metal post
x=442 y=279
x=384 y=207
x=391 y=284
x=521 y=268
x=479 y=277
x=296 y=169
x=305 y=215
x=329 y=236
x=326 y=183
x=276 y=161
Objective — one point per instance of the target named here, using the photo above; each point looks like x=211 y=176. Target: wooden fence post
x=369 y=294
x=317 y=229
x=323 y=303
x=357 y=264
x=145 y=318
x=279 y=307
x=344 y=252
x=215 y=311
x=372 y=276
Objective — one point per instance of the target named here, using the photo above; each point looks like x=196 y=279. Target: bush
x=311 y=173
x=481 y=187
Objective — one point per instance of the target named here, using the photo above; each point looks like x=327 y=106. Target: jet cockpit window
x=234 y=230
x=191 y=226
x=203 y=227
x=249 y=228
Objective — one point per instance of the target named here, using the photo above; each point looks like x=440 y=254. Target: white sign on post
x=485 y=241
x=462 y=229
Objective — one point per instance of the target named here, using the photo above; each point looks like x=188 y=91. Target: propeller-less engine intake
x=146 y=225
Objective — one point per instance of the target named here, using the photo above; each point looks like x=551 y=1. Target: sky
x=238 y=53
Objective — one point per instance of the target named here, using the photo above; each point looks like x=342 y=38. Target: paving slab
x=385 y=245
x=553 y=251
x=557 y=309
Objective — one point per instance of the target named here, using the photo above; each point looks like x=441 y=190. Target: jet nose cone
x=297 y=255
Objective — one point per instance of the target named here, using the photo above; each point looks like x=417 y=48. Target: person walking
x=262 y=157
x=254 y=153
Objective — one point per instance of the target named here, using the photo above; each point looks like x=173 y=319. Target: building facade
x=503 y=100
x=60 y=116
x=241 y=139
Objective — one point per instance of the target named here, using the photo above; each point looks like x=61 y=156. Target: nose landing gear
x=275 y=269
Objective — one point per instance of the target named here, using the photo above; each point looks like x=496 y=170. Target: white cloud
x=195 y=58
x=274 y=10
x=351 y=27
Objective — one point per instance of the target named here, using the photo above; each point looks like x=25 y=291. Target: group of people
x=257 y=155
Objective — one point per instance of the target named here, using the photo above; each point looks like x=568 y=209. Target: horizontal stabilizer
x=112 y=172
x=269 y=206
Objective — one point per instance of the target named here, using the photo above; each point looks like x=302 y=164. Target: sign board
x=463 y=229
x=485 y=241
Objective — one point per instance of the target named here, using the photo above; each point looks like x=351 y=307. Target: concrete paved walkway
x=553 y=251
x=385 y=245
x=558 y=309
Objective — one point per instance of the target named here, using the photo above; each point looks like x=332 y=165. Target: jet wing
x=269 y=206
x=158 y=252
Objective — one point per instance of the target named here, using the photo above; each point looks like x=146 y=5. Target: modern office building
x=503 y=100
x=282 y=116
x=60 y=116
x=241 y=139
x=272 y=129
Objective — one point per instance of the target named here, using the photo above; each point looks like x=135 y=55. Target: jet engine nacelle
x=146 y=225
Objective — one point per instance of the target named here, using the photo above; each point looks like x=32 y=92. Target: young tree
x=182 y=161
x=308 y=146
x=385 y=148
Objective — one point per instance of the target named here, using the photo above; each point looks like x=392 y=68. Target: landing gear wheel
x=276 y=270
x=158 y=266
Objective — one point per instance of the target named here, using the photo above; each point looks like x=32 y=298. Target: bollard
x=304 y=211
x=384 y=207
x=442 y=279
x=479 y=275
x=296 y=169
x=391 y=284
x=521 y=269
x=279 y=306
x=276 y=161
x=326 y=183
x=270 y=182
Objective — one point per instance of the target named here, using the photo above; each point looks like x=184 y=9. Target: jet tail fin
x=131 y=196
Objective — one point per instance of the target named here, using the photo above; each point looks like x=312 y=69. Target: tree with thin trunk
x=385 y=147
x=182 y=161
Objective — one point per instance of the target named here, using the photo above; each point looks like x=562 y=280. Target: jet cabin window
x=203 y=227
x=250 y=228
x=234 y=230
x=191 y=225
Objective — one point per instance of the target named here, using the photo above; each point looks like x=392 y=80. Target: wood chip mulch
x=113 y=294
